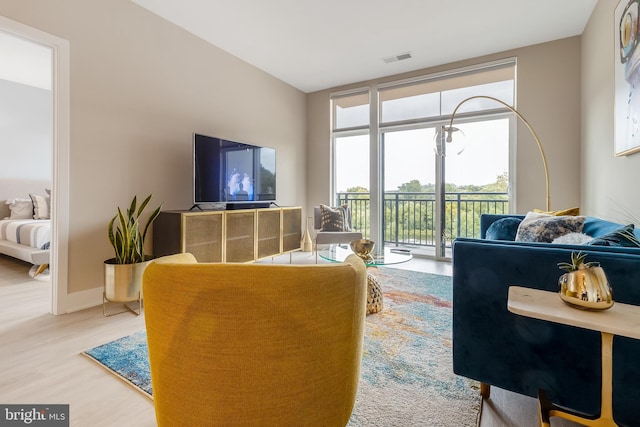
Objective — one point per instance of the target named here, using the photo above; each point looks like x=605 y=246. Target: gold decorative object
x=363 y=248
x=307 y=243
x=584 y=285
x=450 y=129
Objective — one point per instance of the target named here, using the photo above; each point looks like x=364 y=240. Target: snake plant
x=125 y=234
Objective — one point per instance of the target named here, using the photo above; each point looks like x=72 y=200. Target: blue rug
x=406 y=377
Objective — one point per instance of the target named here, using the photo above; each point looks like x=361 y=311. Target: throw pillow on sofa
x=503 y=229
x=573 y=239
x=621 y=237
x=540 y=227
x=563 y=212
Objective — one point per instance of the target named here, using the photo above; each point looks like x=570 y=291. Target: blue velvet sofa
x=526 y=355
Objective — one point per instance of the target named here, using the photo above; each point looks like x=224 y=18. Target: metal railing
x=410 y=218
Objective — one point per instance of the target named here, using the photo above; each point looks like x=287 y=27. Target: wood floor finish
x=40 y=361
x=40 y=357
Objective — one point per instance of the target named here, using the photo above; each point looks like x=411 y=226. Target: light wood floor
x=40 y=361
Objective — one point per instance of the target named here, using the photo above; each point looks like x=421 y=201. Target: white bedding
x=35 y=233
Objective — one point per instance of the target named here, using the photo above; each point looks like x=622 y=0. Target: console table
x=621 y=319
x=241 y=235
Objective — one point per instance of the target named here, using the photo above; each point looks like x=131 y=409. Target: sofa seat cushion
x=540 y=227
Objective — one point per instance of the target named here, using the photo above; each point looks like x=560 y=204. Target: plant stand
x=127 y=307
x=123 y=284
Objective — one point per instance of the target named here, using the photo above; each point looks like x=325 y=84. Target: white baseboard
x=85 y=299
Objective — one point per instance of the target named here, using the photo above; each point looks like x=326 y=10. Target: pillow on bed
x=20 y=208
x=40 y=206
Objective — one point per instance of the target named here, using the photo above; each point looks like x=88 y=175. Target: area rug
x=406 y=379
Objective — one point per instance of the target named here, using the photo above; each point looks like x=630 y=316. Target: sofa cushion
x=504 y=229
x=621 y=237
x=540 y=227
x=570 y=211
x=573 y=239
x=597 y=227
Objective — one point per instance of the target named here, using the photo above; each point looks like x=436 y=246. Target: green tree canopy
x=358 y=189
x=412 y=186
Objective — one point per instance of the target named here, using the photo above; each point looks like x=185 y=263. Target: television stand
x=241 y=235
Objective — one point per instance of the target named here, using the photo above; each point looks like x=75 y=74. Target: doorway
x=60 y=76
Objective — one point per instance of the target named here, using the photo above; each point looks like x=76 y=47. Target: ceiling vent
x=397 y=58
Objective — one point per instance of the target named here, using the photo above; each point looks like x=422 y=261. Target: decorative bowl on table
x=363 y=248
x=585 y=284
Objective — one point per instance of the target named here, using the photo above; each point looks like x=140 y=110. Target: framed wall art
x=627 y=78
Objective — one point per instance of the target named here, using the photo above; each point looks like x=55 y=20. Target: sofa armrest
x=523 y=355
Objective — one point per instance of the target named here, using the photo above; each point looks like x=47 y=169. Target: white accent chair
x=330 y=237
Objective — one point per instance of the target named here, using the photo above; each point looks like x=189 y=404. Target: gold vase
x=307 y=243
x=586 y=288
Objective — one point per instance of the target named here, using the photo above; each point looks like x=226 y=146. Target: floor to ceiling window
x=387 y=165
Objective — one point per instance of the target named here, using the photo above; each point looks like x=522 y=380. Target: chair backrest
x=317 y=218
x=254 y=344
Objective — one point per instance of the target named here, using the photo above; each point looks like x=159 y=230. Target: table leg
x=546 y=409
x=485 y=390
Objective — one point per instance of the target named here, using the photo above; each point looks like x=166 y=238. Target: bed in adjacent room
x=26 y=233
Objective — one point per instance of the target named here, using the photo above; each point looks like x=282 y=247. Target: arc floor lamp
x=450 y=130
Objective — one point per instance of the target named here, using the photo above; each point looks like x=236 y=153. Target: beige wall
x=139 y=87
x=548 y=93
x=609 y=183
x=25 y=142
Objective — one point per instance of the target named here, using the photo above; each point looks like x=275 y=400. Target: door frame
x=60 y=68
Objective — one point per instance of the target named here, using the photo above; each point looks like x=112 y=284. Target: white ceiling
x=314 y=45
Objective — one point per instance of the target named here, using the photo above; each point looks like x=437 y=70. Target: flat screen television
x=232 y=173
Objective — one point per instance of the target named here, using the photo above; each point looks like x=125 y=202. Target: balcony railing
x=410 y=218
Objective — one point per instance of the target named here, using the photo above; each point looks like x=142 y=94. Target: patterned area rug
x=406 y=378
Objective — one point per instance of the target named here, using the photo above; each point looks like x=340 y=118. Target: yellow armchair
x=254 y=344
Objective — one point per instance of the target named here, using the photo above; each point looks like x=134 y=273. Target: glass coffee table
x=386 y=256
